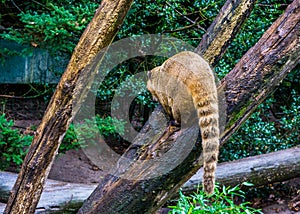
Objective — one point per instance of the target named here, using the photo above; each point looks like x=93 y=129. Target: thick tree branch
x=98 y=35
x=224 y=29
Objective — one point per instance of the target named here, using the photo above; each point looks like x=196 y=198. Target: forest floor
x=74 y=166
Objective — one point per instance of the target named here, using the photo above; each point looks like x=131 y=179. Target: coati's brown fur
x=183 y=83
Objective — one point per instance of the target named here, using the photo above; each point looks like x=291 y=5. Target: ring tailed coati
x=191 y=70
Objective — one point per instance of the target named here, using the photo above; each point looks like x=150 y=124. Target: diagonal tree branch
x=58 y=116
x=262 y=68
x=224 y=29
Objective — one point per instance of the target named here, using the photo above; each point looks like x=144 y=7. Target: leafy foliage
x=222 y=201
x=13 y=145
x=122 y=75
x=91 y=128
x=70 y=140
x=186 y=20
x=55 y=26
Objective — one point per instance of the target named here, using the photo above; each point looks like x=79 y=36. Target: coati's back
x=192 y=71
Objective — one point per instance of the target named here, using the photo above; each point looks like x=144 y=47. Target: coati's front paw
x=174 y=123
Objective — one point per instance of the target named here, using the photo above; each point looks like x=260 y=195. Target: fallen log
x=57 y=195
x=259 y=170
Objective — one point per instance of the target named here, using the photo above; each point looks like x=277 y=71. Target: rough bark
x=258 y=72
x=224 y=29
x=98 y=35
x=259 y=170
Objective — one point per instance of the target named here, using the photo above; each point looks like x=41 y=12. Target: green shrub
x=13 y=144
x=70 y=141
x=109 y=126
x=80 y=135
x=259 y=135
x=222 y=202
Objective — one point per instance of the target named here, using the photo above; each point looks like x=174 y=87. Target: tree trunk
x=259 y=71
x=259 y=170
x=98 y=35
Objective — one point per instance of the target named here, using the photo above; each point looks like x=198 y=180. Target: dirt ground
x=75 y=167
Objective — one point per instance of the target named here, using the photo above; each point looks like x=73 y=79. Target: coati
x=185 y=83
